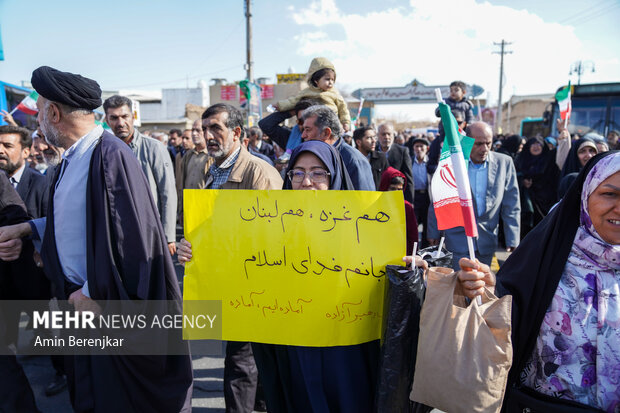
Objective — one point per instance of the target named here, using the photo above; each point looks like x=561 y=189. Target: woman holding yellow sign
x=315 y=379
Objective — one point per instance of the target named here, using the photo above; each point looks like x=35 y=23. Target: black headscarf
x=510 y=145
x=66 y=88
x=533 y=271
x=529 y=165
x=572 y=163
x=339 y=177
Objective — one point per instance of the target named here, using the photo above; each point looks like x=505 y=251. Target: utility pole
x=502 y=52
x=579 y=68
x=248 y=32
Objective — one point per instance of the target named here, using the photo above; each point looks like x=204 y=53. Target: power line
x=223 y=42
x=597 y=15
x=589 y=9
x=212 y=52
x=179 y=79
x=592 y=12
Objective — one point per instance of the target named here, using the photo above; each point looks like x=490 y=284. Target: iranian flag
x=452 y=199
x=563 y=98
x=29 y=104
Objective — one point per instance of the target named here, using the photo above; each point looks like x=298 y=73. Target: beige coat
x=250 y=172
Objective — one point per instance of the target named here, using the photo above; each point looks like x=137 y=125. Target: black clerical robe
x=127 y=259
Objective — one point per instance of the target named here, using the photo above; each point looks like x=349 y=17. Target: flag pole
x=438 y=95
x=359 y=112
x=470 y=240
x=13 y=111
x=470 y=247
x=567 y=115
x=569 y=105
x=438 y=252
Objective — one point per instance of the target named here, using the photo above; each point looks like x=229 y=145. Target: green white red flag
x=450 y=187
x=563 y=98
x=29 y=104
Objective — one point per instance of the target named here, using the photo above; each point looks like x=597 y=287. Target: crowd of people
x=78 y=193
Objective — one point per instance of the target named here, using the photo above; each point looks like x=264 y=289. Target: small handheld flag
x=456 y=179
x=563 y=98
x=28 y=104
x=450 y=184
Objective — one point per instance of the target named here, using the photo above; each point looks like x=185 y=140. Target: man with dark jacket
x=321 y=123
x=15 y=143
x=258 y=145
x=175 y=144
x=397 y=156
x=421 y=183
x=366 y=140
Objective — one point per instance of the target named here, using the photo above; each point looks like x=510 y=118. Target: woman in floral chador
x=565 y=282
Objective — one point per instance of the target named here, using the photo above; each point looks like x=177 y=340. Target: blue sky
x=154 y=44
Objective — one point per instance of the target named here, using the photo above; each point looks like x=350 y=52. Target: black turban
x=67 y=88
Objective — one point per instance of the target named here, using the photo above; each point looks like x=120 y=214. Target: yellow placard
x=290 y=77
x=294 y=267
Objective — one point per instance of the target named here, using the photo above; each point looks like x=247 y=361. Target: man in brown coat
x=235 y=168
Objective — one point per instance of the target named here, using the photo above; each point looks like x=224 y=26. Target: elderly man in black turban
x=97 y=246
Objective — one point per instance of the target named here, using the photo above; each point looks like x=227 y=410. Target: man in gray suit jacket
x=495 y=192
x=154 y=159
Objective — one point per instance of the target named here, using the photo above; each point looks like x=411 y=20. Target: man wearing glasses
x=321 y=123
